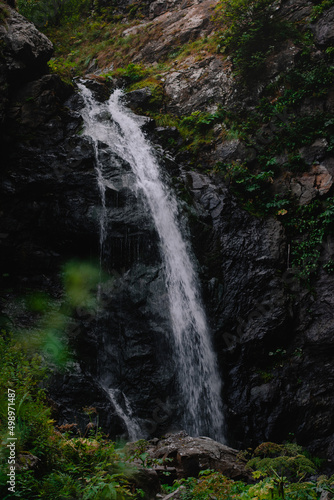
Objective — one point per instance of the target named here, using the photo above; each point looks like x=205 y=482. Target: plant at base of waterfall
x=78 y=467
x=210 y=484
x=137 y=451
x=87 y=468
x=214 y=485
x=281 y=464
x=23 y=372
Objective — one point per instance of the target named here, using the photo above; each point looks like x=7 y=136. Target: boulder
x=189 y=455
x=295 y=10
x=146 y=480
x=26 y=461
x=318 y=181
x=138 y=98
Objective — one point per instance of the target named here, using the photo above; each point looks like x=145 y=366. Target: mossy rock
x=268 y=450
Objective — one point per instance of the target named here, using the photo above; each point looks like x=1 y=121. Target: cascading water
x=199 y=383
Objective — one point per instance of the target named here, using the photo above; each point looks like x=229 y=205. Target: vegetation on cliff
x=286 y=117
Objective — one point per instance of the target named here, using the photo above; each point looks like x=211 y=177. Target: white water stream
x=199 y=382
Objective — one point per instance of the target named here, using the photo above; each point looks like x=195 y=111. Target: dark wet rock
x=324 y=28
x=99 y=86
x=25 y=50
x=282 y=61
x=234 y=150
x=75 y=390
x=161 y=6
x=138 y=99
x=295 y=10
x=315 y=152
x=267 y=343
x=146 y=480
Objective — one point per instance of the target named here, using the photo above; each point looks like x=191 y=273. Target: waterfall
x=199 y=383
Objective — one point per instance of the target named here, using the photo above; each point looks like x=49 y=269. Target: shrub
x=52 y=12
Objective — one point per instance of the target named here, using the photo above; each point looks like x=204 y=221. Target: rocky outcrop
x=197 y=85
x=189 y=455
x=173 y=27
x=323 y=29
x=23 y=56
x=25 y=51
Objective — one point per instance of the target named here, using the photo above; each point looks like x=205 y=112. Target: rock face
x=324 y=32
x=274 y=337
x=24 y=53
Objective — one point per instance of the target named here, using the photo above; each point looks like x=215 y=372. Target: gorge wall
x=273 y=334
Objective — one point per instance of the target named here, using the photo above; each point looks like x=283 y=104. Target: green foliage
x=132 y=73
x=63 y=67
x=196 y=129
x=294 y=467
x=53 y=318
x=308 y=225
x=23 y=372
x=210 y=484
x=52 y=12
x=318 y=9
x=277 y=129
x=237 y=173
x=280 y=464
x=251 y=32
x=87 y=468
x=213 y=485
